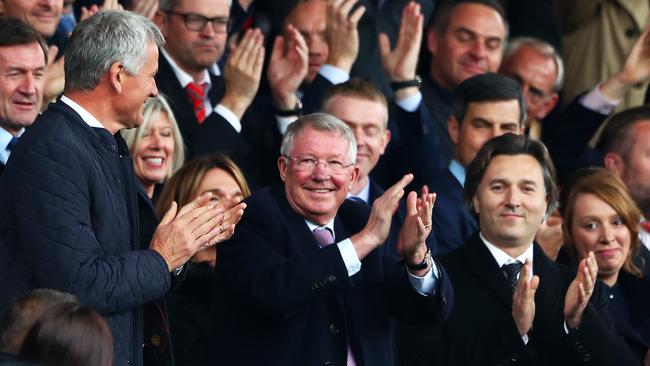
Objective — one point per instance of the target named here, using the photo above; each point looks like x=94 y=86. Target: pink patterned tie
x=324 y=238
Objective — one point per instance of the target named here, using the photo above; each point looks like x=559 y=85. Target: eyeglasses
x=308 y=163
x=196 y=22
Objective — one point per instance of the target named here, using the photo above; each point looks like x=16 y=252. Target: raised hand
x=288 y=67
x=636 y=69
x=400 y=64
x=523 y=299
x=243 y=71
x=147 y=8
x=579 y=292
x=342 y=35
x=376 y=230
x=411 y=243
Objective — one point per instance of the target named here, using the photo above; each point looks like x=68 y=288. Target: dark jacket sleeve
x=54 y=193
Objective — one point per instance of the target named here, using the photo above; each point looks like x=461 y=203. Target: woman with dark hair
x=69 y=334
x=189 y=305
x=600 y=216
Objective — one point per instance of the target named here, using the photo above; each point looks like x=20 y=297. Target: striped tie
x=196 y=95
x=12 y=143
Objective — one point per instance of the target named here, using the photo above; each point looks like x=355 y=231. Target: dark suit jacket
x=281 y=300
x=453 y=222
x=567 y=139
x=248 y=148
x=482 y=331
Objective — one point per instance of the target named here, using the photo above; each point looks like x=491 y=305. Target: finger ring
x=221 y=229
x=427 y=226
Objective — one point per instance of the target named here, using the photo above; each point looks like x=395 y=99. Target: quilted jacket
x=69 y=221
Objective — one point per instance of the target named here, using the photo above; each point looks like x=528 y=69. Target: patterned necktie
x=511 y=271
x=323 y=236
x=196 y=95
x=12 y=143
x=357 y=200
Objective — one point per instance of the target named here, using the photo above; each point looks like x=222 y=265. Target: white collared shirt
x=5 y=138
x=82 y=112
x=184 y=79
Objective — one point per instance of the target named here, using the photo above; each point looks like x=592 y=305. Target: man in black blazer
x=286 y=297
x=512 y=304
x=210 y=104
x=23 y=59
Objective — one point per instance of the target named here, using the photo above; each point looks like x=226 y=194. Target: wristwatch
x=427 y=261
x=296 y=111
x=397 y=85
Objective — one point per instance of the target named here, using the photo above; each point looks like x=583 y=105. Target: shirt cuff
x=350 y=257
x=425 y=285
x=333 y=74
x=229 y=117
x=410 y=103
x=284 y=122
x=595 y=100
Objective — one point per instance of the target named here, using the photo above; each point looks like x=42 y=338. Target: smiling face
x=472 y=44
x=194 y=51
x=42 y=15
x=153 y=159
x=22 y=76
x=317 y=193
x=511 y=202
x=597 y=227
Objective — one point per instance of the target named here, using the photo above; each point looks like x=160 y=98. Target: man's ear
x=432 y=40
x=161 y=19
x=614 y=163
x=116 y=75
x=386 y=140
x=282 y=166
x=454 y=129
x=475 y=204
x=549 y=104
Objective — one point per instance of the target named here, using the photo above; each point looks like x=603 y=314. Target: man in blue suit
x=288 y=297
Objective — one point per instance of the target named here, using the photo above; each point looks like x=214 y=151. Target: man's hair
x=488 y=87
x=321 y=122
x=153 y=108
x=442 y=13
x=511 y=144
x=617 y=136
x=168 y=5
x=14 y=32
x=357 y=88
x=24 y=312
x=543 y=48
x=105 y=38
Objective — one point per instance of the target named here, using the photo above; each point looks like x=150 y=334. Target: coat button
x=328 y=363
x=631 y=32
x=334 y=329
x=443 y=300
x=331 y=278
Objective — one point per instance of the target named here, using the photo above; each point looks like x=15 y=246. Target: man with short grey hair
x=73 y=217
x=305 y=277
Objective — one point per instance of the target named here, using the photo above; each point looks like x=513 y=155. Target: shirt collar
x=82 y=112
x=502 y=257
x=185 y=78
x=329 y=225
x=364 y=194
x=458 y=171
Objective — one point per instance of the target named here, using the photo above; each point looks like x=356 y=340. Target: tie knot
x=197 y=88
x=323 y=236
x=511 y=271
x=12 y=143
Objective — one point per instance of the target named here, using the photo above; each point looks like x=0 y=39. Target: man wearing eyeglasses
x=210 y=104
x=306 y=279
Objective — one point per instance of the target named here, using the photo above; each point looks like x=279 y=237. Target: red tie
x=196 y=95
